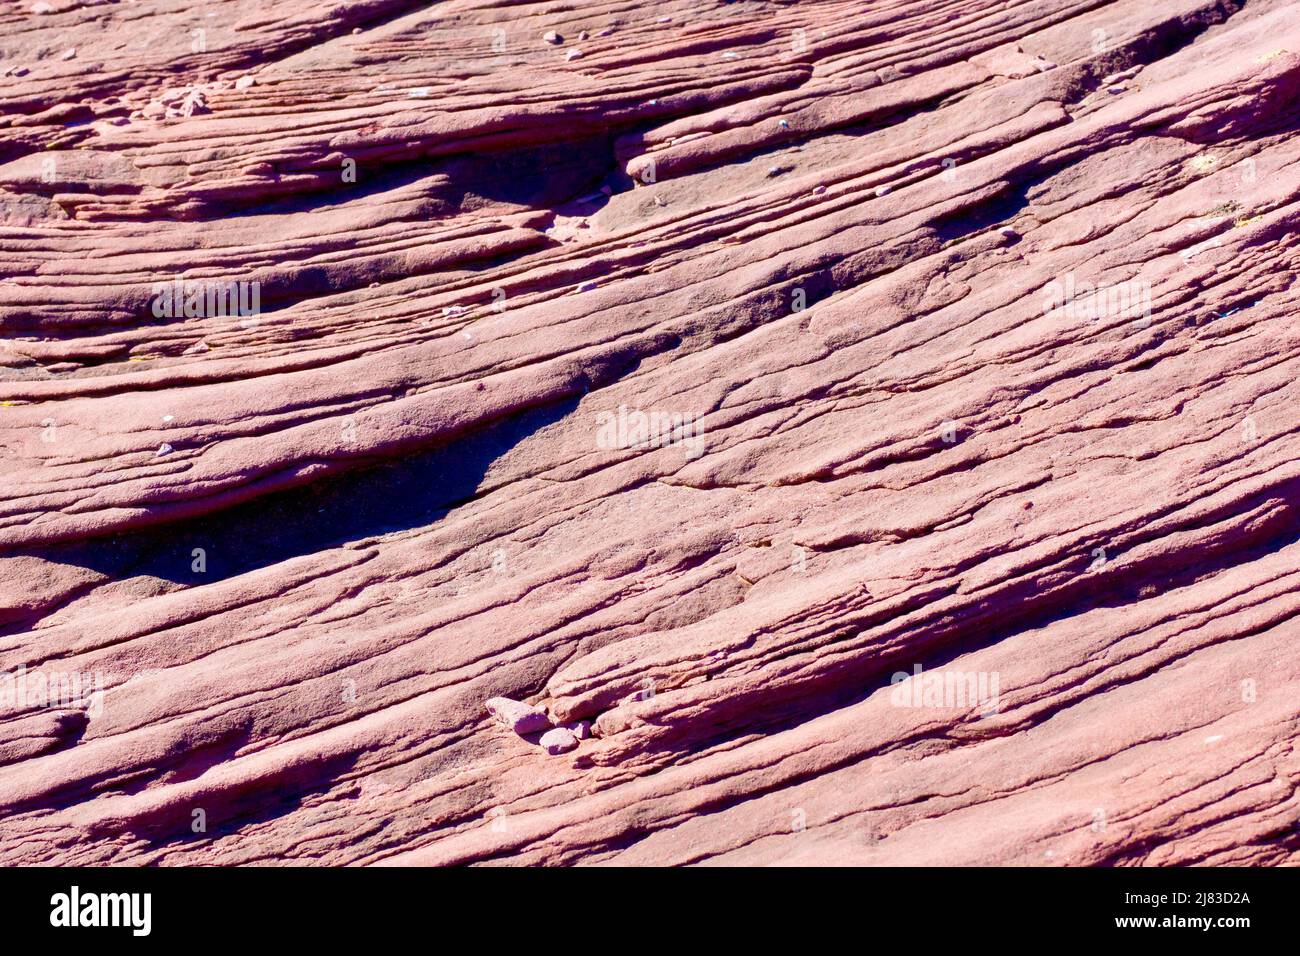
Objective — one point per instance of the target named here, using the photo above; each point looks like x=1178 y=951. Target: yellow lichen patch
x=1272 y=55
x=1246 y=221
x=1203 y=162
x=1225 y=209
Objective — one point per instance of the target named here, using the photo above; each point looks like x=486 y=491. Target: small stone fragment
x=550 y=36
x=573 y=55
x=194 y=103
x=558 y=741
x=581 y=730
x=165 y=449
x=520 y=717
x=69 y=53
x=244 y=82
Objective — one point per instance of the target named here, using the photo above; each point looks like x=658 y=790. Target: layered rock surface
x=694 y=388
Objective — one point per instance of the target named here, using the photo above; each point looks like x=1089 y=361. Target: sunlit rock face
x=837 y=432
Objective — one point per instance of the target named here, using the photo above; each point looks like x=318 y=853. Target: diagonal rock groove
x=797 y=703
x=413 y=492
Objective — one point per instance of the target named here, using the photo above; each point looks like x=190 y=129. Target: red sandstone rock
x=933 y=500
x=558 y=741
x=520 y=717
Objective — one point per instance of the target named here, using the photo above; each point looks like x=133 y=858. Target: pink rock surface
x=520 y=717
x=876 y=421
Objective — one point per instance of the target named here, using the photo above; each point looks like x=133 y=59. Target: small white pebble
x=882 y=190
x=168 y=418
x=419 y=92
x=69 y=53
x=165 y=449
x=550 y=36
x=573 y=55
x=558 y=741
x=244 y=82
x=520 y=717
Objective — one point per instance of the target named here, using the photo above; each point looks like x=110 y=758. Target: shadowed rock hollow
x=692 y=372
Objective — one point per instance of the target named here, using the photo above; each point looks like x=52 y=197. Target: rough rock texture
x=520 y=717
x=558 y=741
x=700 y=386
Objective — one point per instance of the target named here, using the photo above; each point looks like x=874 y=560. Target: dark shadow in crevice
x=1014 y=612
x=544 y=179
x=1008 y=203
x=411 y=492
